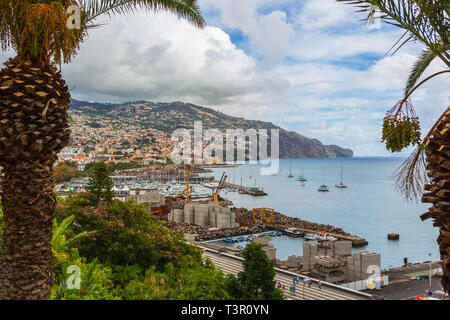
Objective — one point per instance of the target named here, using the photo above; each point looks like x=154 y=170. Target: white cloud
x=307 y=66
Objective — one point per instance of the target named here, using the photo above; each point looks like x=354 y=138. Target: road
x=233 y=265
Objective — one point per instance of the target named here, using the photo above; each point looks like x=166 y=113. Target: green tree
x=193 y=280
x=63 y=173
x=426 y=22
x=35 y=124
x=100 y=183
x=256 y=282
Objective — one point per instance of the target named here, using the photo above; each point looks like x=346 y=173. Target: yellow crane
x=219 y=187
x=263 y=214
x=188 y=190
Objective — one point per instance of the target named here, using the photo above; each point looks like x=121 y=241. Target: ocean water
x=369 y=207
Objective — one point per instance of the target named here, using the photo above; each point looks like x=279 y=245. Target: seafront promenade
x=231 y=264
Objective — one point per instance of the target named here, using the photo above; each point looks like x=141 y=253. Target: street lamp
x=430 y=292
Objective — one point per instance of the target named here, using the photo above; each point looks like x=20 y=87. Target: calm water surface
x=369 y=207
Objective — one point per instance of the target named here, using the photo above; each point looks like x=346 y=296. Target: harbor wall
x=208 y=215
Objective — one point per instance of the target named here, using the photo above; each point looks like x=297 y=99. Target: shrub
x=193 y=281
x=125 y=234
x=256 y=282
x=96 y=282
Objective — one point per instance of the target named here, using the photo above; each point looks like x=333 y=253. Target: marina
x=356 y=208
x=368 y=207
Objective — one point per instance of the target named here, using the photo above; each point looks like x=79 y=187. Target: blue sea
x=369 y=207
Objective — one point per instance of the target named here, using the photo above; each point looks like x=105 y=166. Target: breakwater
x=245 y=218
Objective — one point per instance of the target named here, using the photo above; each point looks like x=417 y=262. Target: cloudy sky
x=307 y=65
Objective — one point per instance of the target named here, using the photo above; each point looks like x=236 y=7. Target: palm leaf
x=78 y=237
x=60 y=230
x=421 y=64
x=426 y=21
x=187 y=9
x=411 y=176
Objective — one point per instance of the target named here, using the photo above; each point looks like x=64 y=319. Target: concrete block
x=321 y=251
x=223 y=220
x=188 y=217
x=271 y=252
x=357 y=264
x=178 y=215
x=190 y=237
x=201 y=215
x=350 y=275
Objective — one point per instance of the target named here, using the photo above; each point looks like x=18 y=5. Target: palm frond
x=187 y=9
x=78 y=237
x=59 y=230
x=421 y=64
x=411 y=177
x=425 y=20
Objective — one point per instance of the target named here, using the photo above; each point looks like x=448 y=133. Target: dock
x=256 y=192
x=356 y=241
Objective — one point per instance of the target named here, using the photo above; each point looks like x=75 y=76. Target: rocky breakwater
x=204 y=234
x=245 y=219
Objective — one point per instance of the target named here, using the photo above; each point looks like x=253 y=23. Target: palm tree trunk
x=34 y=127
x=438 y=166
x=29 y=204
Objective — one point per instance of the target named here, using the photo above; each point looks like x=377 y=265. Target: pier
x=356 y=241
x=256 y=192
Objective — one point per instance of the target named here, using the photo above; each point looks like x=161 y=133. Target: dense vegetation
x=65 y=172
x=122 y=253
x=256 y=282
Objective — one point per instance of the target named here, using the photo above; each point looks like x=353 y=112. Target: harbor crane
x=263 y=215
x=188 y=190
x=219 y=187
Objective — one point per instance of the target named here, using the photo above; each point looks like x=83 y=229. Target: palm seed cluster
x=400 y=133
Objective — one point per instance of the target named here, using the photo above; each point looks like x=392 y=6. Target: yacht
x=310 y=237
x=341 y=185
x=323 y=187
x=320 y=236
x=290 y=172
x=302 y=177
x=293 y=232
x=325 y=236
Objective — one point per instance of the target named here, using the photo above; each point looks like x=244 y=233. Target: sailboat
x=241 y=190
x=290 y=171
x=323 y=187
x=302 y=177
x=341 y=185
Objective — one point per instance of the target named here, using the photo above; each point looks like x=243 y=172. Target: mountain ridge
x=177 y=115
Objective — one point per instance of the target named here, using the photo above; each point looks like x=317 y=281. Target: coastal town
x=190 y=203
x=96 y=138
x=193 y=203
x=201 y=152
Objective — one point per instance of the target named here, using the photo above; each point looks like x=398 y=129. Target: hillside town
x=96 y=138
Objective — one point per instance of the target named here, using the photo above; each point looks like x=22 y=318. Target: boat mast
x=241 y=178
